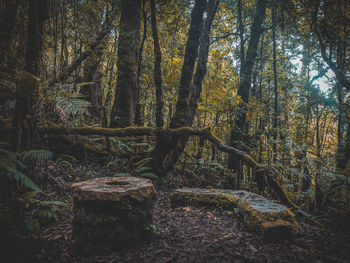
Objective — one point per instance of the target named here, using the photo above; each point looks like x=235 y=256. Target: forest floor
x=183 y=234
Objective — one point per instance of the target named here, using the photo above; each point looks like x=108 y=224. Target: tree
x=157 y=67
x=123 y=109
x=28 y=86
x=237 y=131
x=167 y=150
x=7 y=22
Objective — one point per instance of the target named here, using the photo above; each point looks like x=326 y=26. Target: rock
x=270 y=220
x=111 y=213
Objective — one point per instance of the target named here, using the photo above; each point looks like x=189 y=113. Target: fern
x=143 y=169
x=8 y=169
x=38 y=155
x=21 y=179
x=338 y=190
x=67 y=160
x=61 y=114
x=44 y=212
x=73 y=105
x=142 y=162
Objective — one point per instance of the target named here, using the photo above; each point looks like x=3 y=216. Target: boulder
x=272 y=221
x=109 y=213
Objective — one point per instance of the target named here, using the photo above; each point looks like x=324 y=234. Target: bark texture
x=236 y=137
x=157 y=67
x=7 y=23
x=168 y=150
x=124 y=106
x=28 y=85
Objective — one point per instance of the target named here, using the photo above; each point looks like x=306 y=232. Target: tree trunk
x=167 y=151
x=124 y=106
x=241 y=34
x=244 y=87
x=93 y=74
x=138 y=115
x=7 y=23
x=275 y=81
x=157 y=67
x=28 y=85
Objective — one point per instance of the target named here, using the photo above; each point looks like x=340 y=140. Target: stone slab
x=110 y=213
x=112 y=189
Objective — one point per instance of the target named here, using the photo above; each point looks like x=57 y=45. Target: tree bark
x=7 y=23
x=93 y=74
x=157 y=66
x=167 y=151
x=275 y=83
x=244 y=87
x=138 y=115
x=124 y=106
x=241 y=34
x=28 y=84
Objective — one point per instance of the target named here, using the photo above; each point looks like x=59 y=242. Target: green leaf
x=142 y=162
x=143 y=169
x=122 y=175
x=151 y=176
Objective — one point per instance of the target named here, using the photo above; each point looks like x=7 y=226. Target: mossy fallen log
x=266 y=218
x=153 y=131
x=185 y=131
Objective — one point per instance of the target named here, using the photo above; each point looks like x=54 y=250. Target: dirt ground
x=185 y=234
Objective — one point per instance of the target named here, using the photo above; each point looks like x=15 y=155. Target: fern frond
x=69 y=157
x=38 y=154
x=73 y=105
x=61 y=114
x=50 y=203
x=21 y=178
x=142 y=162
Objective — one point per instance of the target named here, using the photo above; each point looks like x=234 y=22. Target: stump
x=272 y=221
x=110 y=213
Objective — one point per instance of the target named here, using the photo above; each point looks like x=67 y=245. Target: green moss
x=258 y=214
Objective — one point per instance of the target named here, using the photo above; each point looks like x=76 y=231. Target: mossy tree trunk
x=28 y=84
x=236 y=136
x=124 y=106
x=93 y=73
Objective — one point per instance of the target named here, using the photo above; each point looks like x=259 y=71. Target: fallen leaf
x=252 y=248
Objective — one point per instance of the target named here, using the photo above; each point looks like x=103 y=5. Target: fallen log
x=272 y=221
x=261 y=170
x=152 y=131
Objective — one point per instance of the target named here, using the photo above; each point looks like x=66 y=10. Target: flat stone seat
x=112 y=189
x=109 y=213
x=270 y=220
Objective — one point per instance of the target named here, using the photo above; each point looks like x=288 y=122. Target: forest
x=174 y=131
